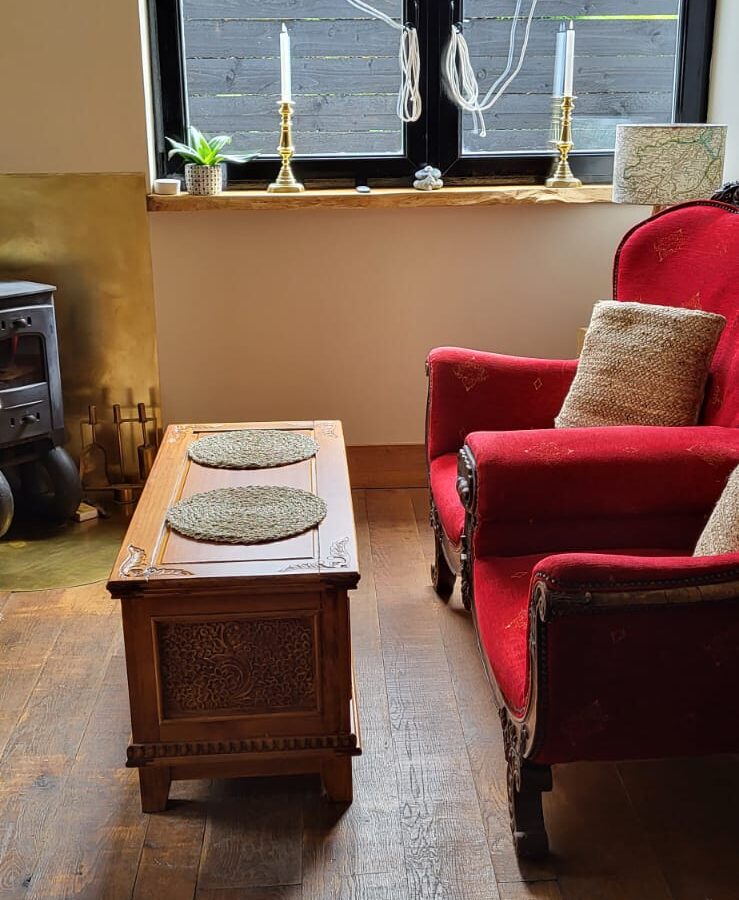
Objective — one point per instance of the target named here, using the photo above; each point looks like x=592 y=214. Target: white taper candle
x=285 y=71
x=559 y=62
x=570 y=61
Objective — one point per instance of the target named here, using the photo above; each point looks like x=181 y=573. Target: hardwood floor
x=429 y=818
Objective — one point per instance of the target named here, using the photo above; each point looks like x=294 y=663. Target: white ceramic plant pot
x=203 y=179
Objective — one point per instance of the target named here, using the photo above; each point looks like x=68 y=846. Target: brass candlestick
x=286 y=182
x=562 y=174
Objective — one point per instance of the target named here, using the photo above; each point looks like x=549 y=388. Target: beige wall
x=343 y=328
x=71 y=87
x=331 y=313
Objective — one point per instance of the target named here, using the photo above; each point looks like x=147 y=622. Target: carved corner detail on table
x=135 y=565
x=328 y=429
x=337 y=558
x=176 y=433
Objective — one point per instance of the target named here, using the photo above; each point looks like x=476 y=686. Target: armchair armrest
x=603 y=579
x=473 y=391
x=634 y=658
x=594 y=488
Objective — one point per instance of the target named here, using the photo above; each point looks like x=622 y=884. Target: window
x=217 y=65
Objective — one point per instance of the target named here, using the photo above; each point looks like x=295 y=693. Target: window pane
x=345 y=74
x=624 y=70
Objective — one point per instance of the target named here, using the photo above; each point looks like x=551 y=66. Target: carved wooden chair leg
x=526 y=782
x=442 y=575
x=466 y=573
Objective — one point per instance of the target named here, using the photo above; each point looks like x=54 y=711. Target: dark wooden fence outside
x=346 y=75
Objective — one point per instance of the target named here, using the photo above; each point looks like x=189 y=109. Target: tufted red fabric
x=688 y=256
x=443 y=477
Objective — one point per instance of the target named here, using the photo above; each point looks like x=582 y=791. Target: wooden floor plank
x=343 y=847
x=600 y=846
x=41 y=751
x=170 y=858
x=29 y=627
x=529 y=890
x=689 y=810
x=254 y=833
x=93 y=835
x=281 y=892
x=444 y=840
x=480 y=722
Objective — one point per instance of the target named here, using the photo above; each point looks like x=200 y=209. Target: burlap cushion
x=641 y=365
x=721 y=534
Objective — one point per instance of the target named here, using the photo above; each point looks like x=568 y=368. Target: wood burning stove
x=35 y=470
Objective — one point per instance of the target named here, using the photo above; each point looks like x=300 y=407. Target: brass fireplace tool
x=94 y=468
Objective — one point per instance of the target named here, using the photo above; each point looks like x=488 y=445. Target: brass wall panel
x=89 y=235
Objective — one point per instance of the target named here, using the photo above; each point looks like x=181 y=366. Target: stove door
x=24 y=390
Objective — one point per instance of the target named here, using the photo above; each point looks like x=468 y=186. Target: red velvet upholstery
x=469 y=391
x=635 y=681
x=474 y=391
x=649 y=667
x=443 y=478
x=689 y=256
x=502 y=591
x=559 y=489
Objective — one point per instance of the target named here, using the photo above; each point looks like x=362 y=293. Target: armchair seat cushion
x=502 y=586
x=443 y=476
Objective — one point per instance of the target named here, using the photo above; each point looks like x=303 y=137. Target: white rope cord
x=409 y=104
x=460 y=77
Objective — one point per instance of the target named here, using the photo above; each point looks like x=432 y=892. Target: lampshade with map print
x=665 y=164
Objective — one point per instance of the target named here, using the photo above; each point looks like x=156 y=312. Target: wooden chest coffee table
x=239 y=657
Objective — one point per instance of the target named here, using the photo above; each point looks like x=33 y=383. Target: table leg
x=337 y=779
x=154 y=783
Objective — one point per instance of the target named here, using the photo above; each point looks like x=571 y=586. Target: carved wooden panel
x=242 y=665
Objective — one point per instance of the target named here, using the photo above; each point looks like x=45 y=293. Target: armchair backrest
x=688 y=255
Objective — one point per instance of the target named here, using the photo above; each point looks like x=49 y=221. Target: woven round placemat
x=252 y=449
x=246 y=515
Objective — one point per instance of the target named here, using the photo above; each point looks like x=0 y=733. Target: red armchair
x=602 y=637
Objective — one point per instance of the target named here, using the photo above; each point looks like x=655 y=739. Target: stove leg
x=7 y=505
x=52 y=485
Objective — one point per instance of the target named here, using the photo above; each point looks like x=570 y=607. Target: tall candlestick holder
x=286 y=182
x=562 y=173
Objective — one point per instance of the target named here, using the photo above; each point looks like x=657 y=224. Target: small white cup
x=167 y=186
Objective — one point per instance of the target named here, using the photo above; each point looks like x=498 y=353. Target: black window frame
x=436 y=137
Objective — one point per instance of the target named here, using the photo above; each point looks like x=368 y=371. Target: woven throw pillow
x=641 y=365
x=721 y=534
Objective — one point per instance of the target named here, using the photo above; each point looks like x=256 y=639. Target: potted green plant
x=203 y=155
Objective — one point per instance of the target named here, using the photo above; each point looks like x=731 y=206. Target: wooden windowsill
x=383 y=198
